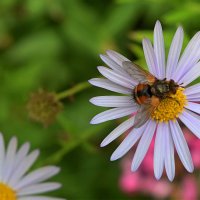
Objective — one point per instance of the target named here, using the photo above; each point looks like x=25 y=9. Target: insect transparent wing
x=137 y=73
x=143 y=115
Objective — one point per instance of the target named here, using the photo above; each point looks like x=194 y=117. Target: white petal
x=21 y=154
x=189 y=58
x=113 y=113
x=194 y=89
x=38 y=188
x=128 y=142
x=19 y=157
x=194 y=98
x=9 y=159
x=195 y=107
x=159 y=150
x=39 y=198
x=150 y=56
x=193 y=93
x=37 y=176
x=169 y=154
x=159 y=50
x=109 y=85
x=117 y=78
x=174 y=53
x=118 y=58
x=2 y=155
x=192 y=121
x=23 y=168
x=116 y=67
x=113 y=101
x=118 y=131
x=181 y=146
x=112 y=64
x=190 y=75
x=143 y=145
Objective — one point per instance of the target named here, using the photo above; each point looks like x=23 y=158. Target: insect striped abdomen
x=141 y=93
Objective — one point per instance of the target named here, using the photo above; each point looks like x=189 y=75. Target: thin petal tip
x=92 y=81
x=180 y=28
x=134 y=166
x=158 y=27
x=58 y=185
x=102 y=56
x=14 y=138
x=91 y=100
x=113 y=157
x=37 y=152
x=100 y=68
x=109 y=51
x=57 y=169
x=27 y=145
x=145 y=40
x=190 y=169
x=171 y=178
x=94 y=121
x=158 y=23
x=1 y=136
x=158 y=176
x=105 y=142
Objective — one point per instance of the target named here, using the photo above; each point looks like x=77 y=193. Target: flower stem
x=70 y=145
x=77 y=88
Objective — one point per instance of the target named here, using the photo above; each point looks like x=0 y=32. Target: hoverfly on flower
x=149 y=92
x=155 y=101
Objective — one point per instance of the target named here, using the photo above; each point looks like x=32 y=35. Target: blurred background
x=48 y=51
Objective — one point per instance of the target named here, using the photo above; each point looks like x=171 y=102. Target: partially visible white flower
x=164 y=120
x=15 y=182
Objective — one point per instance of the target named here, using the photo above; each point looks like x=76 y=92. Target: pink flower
x=158 y=189
x=194 y=145
x=189 y=190
x=130 y=182
x=142 y=181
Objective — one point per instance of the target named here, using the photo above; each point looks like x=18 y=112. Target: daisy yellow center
x=6 y=193
x=170 y=107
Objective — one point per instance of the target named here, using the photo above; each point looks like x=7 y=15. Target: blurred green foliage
x=54 y=45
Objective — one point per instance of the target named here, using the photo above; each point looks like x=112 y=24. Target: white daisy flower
x=154 y=106
x=15 y=182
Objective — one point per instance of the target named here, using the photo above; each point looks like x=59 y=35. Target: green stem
x=77 y=88
x=69 y=146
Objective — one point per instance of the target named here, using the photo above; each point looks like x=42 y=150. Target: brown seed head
x=43 y=107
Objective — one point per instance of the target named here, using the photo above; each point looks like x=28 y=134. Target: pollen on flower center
x=6 y=193
x=170 y=107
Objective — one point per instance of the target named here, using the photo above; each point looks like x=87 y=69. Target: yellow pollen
x=170 y=107
x=6 y=193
